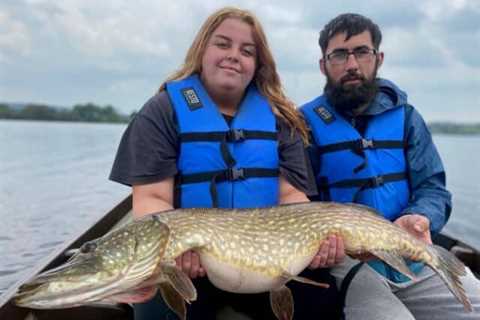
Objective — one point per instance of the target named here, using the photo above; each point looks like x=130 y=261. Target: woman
x=219 y=133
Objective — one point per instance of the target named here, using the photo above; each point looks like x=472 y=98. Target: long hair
x=266 y=77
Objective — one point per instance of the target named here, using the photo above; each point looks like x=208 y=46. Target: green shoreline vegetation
x=90 y=112
x=455 y=128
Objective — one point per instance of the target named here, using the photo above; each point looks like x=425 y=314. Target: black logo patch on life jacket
x=192 y=98
x=324 y=114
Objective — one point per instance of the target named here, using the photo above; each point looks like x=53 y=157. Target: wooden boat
x=469 y=255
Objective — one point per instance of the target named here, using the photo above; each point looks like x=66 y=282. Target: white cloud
x=439 y=9
x=14 y=37
x=118 y=52
x=100 y=32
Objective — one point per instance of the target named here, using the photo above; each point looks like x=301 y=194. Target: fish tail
x=450 y=269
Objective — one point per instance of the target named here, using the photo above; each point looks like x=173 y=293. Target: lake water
x=54 y=184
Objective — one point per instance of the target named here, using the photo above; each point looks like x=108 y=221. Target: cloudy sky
x=118 y=52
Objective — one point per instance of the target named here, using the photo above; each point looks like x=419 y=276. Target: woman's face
x=229 y=61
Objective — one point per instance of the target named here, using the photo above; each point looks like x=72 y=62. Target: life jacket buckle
x=235 y=135
x=366 y=143
x=235 y=174
x=377 y=181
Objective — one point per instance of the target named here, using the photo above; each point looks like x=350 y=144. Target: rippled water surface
x=460 y=156
x=54 y=184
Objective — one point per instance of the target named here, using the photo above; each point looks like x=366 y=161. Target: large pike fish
x=243 y=251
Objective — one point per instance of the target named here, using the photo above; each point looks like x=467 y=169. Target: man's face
x=351 y=81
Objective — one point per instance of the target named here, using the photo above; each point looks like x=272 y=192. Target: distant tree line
x=88 y=112
x=454 y=128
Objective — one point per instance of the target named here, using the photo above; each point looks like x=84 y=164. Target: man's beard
x=350 y=97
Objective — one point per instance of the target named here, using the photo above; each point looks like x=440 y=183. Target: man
x=370 y=146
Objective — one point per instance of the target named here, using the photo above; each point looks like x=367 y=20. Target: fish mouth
x=67 y=286
x=99 y=270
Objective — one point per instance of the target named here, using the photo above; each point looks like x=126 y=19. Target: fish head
x=117 y=262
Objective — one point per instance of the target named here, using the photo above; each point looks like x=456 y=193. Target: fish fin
x=450 y=268
x=173 y=299
x=31 y=316
x=137 y=295
x=180 y=281
x=285 y=275
x=281 y=301
x=395 y=261
x=105 y=303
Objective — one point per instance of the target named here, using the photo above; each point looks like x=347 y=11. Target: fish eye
x=88 y=247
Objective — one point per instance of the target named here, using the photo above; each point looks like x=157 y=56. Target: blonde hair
x=266 y=77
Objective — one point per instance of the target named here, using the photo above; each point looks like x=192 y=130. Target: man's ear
x=321 y=62
x=380 y=57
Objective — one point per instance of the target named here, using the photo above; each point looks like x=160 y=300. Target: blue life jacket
x=370 y=170
x=222 y=166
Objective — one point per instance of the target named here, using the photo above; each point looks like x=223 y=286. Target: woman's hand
x=189 y=262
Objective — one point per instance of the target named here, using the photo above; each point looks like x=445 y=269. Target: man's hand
x=189 y=262
x=331 y=253
x=417 y=225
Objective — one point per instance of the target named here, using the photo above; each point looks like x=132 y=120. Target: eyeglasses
x=362 y=55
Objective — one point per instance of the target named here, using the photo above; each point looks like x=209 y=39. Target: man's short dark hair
x=351 y=24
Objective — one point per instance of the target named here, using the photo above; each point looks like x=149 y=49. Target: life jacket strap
x=372 y=182
x=232 y=135
x=231 y=174
x=359 y=145
x=224 y=137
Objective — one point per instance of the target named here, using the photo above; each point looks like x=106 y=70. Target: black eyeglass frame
x=347 y=53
